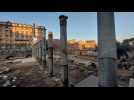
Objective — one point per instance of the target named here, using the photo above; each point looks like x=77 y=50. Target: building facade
x=82 y=47
x=87 y=44
x=17 y=37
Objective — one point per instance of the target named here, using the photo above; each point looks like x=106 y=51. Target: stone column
x=33 y=36
x=36 y=52
x=106 y=49
x=63 y=48
x=40 y=51
x=44 y=48
x=14 y=43
x=50 y=53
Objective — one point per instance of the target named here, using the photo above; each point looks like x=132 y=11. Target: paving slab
x=91 y=81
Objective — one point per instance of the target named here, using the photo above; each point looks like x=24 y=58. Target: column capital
x=63 y=19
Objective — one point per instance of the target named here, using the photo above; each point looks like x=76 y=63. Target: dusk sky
x=81 y=25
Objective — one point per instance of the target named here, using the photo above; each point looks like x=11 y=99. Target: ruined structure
x=107 y=50
x=37 y=35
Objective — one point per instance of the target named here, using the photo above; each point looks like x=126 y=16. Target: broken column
x=63 y=47
x=106 y=49
x=44 y=48
x=50 y=53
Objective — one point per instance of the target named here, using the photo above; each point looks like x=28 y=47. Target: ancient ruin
x=63 y=62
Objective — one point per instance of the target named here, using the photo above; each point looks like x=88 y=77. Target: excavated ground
x=27 y=72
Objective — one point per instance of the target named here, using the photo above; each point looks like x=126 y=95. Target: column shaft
x=63 y=47
x=50 y=53
x=106 y=49
x=44 y=48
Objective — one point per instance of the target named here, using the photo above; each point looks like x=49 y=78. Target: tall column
x=44 y=48
x=39 y=51
x=36 y=52
x=106 y=49
x=63 y=47
x=33 y=36
x=50 y=53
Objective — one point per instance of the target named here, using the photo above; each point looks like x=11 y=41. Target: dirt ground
x=32 y=74
x=27 y=72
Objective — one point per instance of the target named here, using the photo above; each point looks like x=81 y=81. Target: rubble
x=58 y=81
x=6 y=81
x=4 y=70
x=26 y=72
x=131 y=82
x=131 y=68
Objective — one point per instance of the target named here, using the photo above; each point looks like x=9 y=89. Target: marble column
x=63 y=48
x=40 y=52
x=44 y=48
x=50 y=53
x=33 y=36
x=107 y=53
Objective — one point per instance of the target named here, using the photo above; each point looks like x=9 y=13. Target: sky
x=80 y=25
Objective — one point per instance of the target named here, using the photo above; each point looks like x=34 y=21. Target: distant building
x=82 y=47
x=87 y=44
x=129 y=42
x=17 y=36
x=73 y=44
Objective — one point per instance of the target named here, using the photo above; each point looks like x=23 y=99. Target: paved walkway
x=90 y=81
